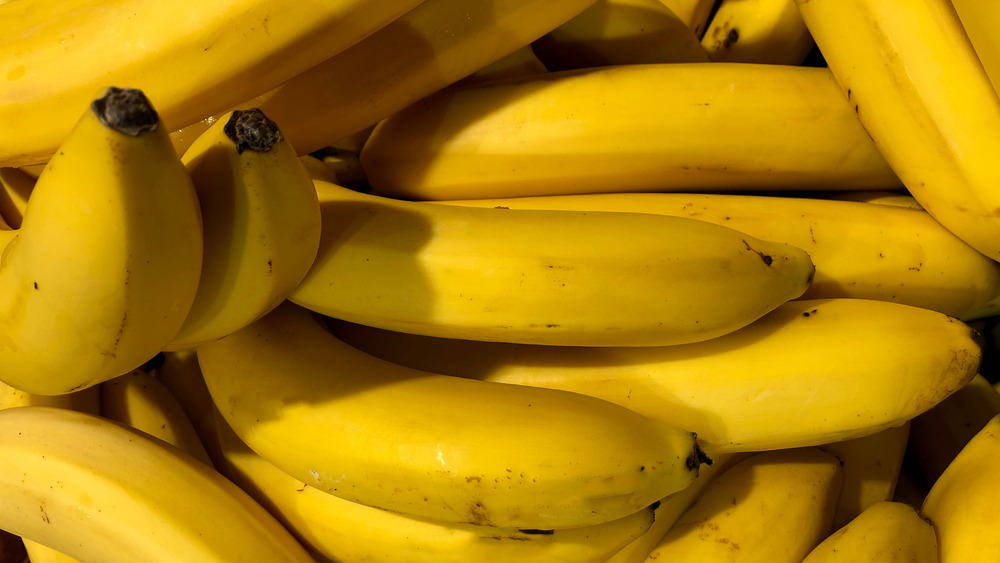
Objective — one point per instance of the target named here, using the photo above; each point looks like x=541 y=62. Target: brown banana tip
x=698 y=456
x=126 y=110
x=251 y=129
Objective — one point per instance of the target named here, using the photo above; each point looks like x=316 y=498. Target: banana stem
x=251 y=129
x=126 y=110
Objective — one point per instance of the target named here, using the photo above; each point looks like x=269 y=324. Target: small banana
x=545 y=277
x=15 y=189
x=809 y=373
x=342 y=530
x=105 y=266
x=261 y=223
x=96 y=490
x=773 y=507
x=434 y=446
x=913 y=78
x=709 y=127
x=615 y=32
x=758 y=31
x=886 y=531
x=962 y=503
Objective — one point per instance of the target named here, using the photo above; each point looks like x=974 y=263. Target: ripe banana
x=980 y=20
x=615 y=32
x=941 y=432
x=426 y=49
x=860 y=250
x=194 y=58
x=342 y=530
x=962 y=503
x=261 y=223
x=886 y=531
x=871 y=467
x=695 y=13
x=179 y=372
x=912 y=76
x=105 y=265
x=520 y=62
x=428 y=445
x=773 y=507
x=15 y=188
x=86 y=400
x=722 y=126
x=99 y=491
x=809 y=373
x=545 y=277
x=881 y=197
x=758 y=31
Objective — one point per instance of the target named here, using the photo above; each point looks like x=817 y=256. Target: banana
x=261 y=220
x=941 y=432
x=195 y=58
x=773 y=507
x=758 y=31
x=615 y=32
x=860 y=250
x=722 y=126
x=962 y=502
x=695 y=13
x=96 y=490
x=38 y=553
x=881 y=197
x=544 y=277
x=86 y=400
x=139 y=400
x=179 y=372
x=914 y=80
x=809 y=373
x=520 y=62
x=871 y=466
x=435 y=446
x=434 y=45
x=342 y=530
x=15 y=188
x=980 y=20
x=886 y=531
x=105 y=265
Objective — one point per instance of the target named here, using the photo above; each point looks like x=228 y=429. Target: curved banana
x=980 y=20
x=940 y=433
x=871 y=466
x=520 y=62
x=433 y=45
x=96 y=490
x=105 y=265
x=15 y=189
x=545 y=277
x=757 y=31
x=261 y=220
x=962 y=502
x=721 y=126
x=195 y=58
x=860 y=250
x=435 y=446
x=809 y=373
x=773 y=507
x=342 y=530
x=615 y=32
x=916 y=84
x=886 y=531
x=695 y=13
x=179 y=372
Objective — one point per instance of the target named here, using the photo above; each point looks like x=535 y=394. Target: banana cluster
x=499 y=281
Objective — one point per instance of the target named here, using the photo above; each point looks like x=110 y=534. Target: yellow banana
x=38 y=553
x=105 y=265
x=86 y=400
x=179 y=372
x=435 y=446
x=15 y=188
x=520 y=62
x=695 y=13
x=426 y=49
x=941 y=432
x=773 y=507
x=342 y=530
x=886 y=531
x=809 y=373
x=757 y=31
x=962 y=503
x=914 y=80
x=96 y=490
x=881 y=197
x=260 y=216
x=139 y=400
x=980 y=20
x=615 y=32
x=545 y=277
x=193 y=58
x=722 y=126
x=860 y=250
x=871 y=467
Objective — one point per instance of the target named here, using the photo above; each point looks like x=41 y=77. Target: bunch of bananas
x=499 y=281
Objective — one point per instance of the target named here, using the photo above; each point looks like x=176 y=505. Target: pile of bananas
x=525 y=281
